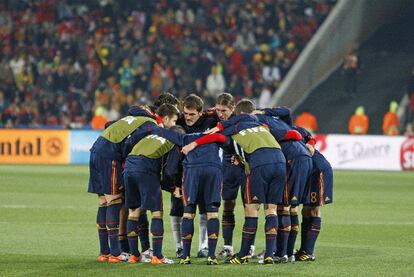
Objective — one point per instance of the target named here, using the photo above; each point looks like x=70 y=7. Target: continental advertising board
x=34 y=146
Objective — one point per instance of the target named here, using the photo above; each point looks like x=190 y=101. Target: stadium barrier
x=394 y=153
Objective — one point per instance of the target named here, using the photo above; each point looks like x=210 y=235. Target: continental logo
x=54 y=146
x=34 y=146
x=22 y=147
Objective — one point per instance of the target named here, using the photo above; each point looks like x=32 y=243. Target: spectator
x=215 y=84
x=350 y=69
x=307 y=121
x=391 y=120
x=359 y=122
x=409 y=132
x=265 y=97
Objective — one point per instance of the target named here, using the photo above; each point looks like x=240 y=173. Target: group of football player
x=203 y=158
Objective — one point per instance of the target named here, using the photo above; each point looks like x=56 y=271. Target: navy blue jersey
x=291 y=149
x=119 y=151
x=172 y=169
x=203 y=155
x=262 y=155
x=282 y=113
x=319 y=160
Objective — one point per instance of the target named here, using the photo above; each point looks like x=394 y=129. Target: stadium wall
x=349 y=24
x=393 y=153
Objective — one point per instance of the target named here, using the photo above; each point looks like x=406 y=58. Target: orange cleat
x=102 y=258
x=156 y=260
x=114 y=259
x=133 y=259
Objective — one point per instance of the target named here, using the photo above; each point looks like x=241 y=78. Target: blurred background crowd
x=62 y=62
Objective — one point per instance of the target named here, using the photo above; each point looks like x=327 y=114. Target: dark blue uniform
x=266 y=166
x=319 y=190
x=142 y=183
x=105 y=164
x=202 y=173
x=173 y=176
x=298 y=160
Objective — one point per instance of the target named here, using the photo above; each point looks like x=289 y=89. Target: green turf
x=47 y=228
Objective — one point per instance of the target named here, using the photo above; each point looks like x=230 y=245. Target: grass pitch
x=48 y=229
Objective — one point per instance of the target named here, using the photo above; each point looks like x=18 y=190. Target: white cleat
x=146 y=256
x=227 y=251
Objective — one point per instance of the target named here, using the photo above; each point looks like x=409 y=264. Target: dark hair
x=225 y=99
x=245 y=106
x=193 y=102
x=168 y=110
x=178 y=129
x=166 y=98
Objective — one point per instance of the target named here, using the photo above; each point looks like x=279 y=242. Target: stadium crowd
x=63 y=61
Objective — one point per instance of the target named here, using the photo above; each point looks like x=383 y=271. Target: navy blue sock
x=102 y=231
x=283 y=235
x=187 y=232
x=213 y=227
x=132 y=230
x=270 y=233
x=294 y=228
x=112 y=223
x=123 y=241
x=157 y=231
x=248 y=235
x=228 y=224
x=143 y=231
x=312 y=235
x=304 y=230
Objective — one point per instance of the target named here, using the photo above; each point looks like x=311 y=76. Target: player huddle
x=203 y=158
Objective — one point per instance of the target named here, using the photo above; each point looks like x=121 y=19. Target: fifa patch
x=188 y=198
x=294 y=198
x=255 y=198
x=133 y=233
x=189 y=236
x=327 y=198
x=213 y=236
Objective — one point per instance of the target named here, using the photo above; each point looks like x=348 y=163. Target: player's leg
x=187 y=232
x=211 y=184
x=229 y=195
x=143 y=233
x=189 y=189
x=294 y=229
x=300 y=175
x=273 y=176
x=95 y=186
x=202 y=232
x=132 y=234
x=176 y=215
x=251 y=209
x=132 y=202
x=228 y=224
x=102 y=230
x=123 y=240
x=320 y=193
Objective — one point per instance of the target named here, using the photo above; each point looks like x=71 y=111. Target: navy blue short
x=177 y=208
x=142 y=183
x=319 y=190
x=105 y=175
x=265 y=184
x=202 y=186
x=298 y=173
x=234 y=178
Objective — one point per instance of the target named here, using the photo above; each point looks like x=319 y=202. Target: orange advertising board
x=34 y=146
